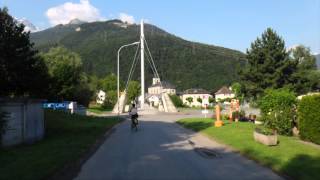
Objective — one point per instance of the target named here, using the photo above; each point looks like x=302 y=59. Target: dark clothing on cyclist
x=133 y=113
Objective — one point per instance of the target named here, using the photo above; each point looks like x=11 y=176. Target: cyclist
x=134 y=116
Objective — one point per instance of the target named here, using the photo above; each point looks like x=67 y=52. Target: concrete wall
x=25 y=121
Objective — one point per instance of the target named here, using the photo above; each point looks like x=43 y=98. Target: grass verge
x=98 y=109
x=68 y=138
x=290 y=157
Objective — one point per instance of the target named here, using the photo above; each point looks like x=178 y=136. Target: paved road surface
x=162 y=150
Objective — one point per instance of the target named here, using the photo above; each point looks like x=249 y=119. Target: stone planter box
x=269 y=140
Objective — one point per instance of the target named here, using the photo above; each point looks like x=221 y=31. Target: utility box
x=25 y=121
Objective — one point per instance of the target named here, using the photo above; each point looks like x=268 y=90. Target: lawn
x=68 y=138
x=98 y=109
x=290 y=157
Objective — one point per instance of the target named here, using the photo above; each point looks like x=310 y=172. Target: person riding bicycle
x=134 y=114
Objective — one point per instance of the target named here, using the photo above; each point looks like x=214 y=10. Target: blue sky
x=227 y=23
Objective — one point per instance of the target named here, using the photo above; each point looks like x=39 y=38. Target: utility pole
x=142 y=64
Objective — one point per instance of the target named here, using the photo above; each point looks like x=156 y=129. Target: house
x=154 y=99
x=158 y=87
x=196 y=94
x=224 y=93
x=101 y=96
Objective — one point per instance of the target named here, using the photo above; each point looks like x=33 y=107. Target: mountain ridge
x=184 y=63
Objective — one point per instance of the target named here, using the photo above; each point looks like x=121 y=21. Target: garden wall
x=25 y=121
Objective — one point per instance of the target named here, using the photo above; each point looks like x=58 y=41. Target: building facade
x=224 y=93
x=194 y=95
x=101 y=96
x=156 y=89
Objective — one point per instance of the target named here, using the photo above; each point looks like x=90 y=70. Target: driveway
x=161 y=149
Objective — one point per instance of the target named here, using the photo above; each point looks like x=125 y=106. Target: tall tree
x=133 y=90
x=68 y=81
x=306 y=77
x=268 y=64
x=22 y=72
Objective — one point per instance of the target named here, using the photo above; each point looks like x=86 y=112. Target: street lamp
x=118 y=73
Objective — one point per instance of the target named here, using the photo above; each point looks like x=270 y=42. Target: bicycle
x=134 y=123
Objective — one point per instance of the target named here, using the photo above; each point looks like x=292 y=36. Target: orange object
x=218 y=122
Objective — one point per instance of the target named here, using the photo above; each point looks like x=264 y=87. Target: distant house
x=101 y=96
x=154 y=99
x=155 y=90
x=158 y=87
x=195 y=94
x=224 y=93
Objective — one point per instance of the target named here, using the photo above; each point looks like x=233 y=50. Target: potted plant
x=265 y=136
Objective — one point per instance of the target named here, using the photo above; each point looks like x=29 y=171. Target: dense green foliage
x=199 y=100
x=177 y=60
x=309 y=118
x=306 y=77
x=109 y=85
x=268 y=64
x=68 y=138
x=271 y=66
x=176 y=100
x=133 y=90
x=277 y=107
x=190 y=100
x=68 y=81
x=291 y=157
x=22 y=72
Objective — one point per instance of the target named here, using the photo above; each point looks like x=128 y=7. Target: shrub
x=309 y=118
x=277 y=108
x=110 y=100
x=176 y=100
x=280 y=120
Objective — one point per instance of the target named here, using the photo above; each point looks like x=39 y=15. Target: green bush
x=110 y=100
x=176 y=100
x=277 y=108
x=309 y=118
x=280 y=120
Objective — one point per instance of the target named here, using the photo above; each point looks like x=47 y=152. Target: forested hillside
x=183 y=63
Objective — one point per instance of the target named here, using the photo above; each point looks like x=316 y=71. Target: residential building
x=224 y=93
x=158 y=87
x=101 y=96
x=195 y=94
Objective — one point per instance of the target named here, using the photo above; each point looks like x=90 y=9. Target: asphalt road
x=161 y=149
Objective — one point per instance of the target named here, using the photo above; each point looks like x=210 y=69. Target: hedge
x=177 y=102
x=309 y=118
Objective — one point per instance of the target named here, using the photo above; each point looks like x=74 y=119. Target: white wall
x=204 y=97
x=158 y=90
x=223 y=96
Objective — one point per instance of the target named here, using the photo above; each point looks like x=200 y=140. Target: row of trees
x=56 y=75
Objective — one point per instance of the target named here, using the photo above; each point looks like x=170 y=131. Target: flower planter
x=269 y=140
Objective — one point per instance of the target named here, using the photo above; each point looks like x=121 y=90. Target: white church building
x=155 y=90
